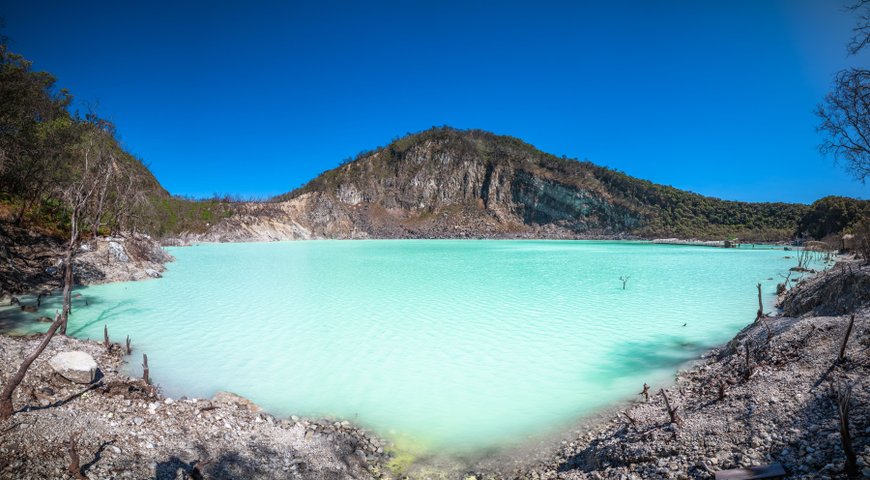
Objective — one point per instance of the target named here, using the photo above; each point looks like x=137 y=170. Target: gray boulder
x=75 y=366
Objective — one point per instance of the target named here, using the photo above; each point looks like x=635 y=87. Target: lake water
x=444 y=344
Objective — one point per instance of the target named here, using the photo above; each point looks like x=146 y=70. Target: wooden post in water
x=145 y=369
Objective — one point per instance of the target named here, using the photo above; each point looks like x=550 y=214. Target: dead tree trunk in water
x=106 y=342
x=129 y=350
x=6 y=409
x=645 y=392
x=145 y=369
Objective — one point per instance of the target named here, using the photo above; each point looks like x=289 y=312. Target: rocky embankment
x=124 y=428
x=32 y=262
x=767 y=396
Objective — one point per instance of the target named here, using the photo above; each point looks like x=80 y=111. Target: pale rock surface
x=75 y=366
x=118 y=252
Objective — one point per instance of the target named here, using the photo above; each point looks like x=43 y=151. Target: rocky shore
x=124 y=428
x=776 y=404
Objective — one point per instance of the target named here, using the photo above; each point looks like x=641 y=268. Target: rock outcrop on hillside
x=31 y=260
x=447 y=183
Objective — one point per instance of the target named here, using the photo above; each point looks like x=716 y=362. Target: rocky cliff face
x=446 y=183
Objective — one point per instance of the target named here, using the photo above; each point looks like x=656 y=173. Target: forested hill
x=45 y=149
x=445 y=182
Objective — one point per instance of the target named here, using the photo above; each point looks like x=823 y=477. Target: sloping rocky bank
x=123 y=428
x=777 y=403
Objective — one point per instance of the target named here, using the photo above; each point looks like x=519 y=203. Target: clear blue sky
x=255 y=98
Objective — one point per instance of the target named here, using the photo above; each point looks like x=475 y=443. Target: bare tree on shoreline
x=77 y=195
x=6 y=408
x=97 y=189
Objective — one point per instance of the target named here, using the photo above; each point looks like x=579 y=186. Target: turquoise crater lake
x=446 y=344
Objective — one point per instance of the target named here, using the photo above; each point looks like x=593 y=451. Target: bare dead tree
x=106 y=342
x=77 y=195
x=74 y=468
x=12 y=383
x=842 y=355
x=624 y=280
x=672 y=412
x=93 y=168
x=645 y=392
x=105 y=181
x=843 y=114
x=861 y=32
x=845 y=121
x=786 y=285
x=129 y=349
x=145 y=369
x=844 y=396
